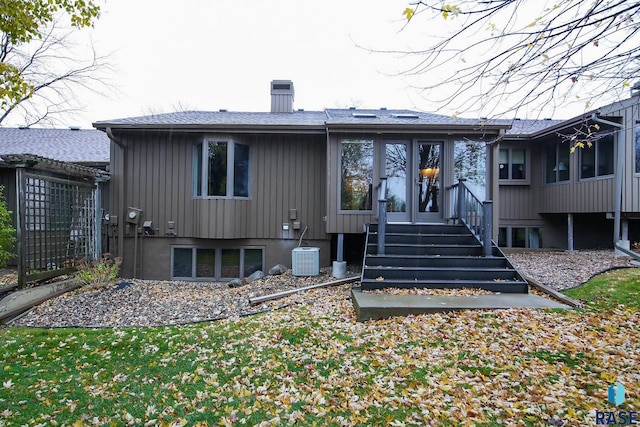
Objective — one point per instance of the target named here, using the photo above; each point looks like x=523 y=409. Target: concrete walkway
x=372 y=306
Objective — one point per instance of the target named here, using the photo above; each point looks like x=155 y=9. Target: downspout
x=618 y=176
x=121 y=188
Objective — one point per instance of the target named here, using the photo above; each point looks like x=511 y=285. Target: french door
x=413 y=181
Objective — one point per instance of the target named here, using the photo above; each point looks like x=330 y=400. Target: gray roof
x=526 y=127
x=319 y=120
x=219 y=118
x=66 y=145
x=297 y=120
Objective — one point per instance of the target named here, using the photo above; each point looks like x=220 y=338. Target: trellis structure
x=58 y=216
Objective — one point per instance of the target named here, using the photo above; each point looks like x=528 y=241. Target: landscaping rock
x=277 y=270
x=256 y=275
x=236 y=283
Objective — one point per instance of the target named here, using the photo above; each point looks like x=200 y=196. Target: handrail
x=382 y=214
x=627 y=252
x=476 y=215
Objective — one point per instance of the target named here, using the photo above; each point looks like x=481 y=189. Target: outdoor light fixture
x=429 y=173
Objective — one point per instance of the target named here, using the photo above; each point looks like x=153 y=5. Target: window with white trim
x=221 y=169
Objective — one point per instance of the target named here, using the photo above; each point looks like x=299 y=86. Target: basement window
x=221 y=169
x=520 y=237
x=192 y=263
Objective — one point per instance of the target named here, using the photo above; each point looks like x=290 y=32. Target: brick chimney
x=282 y=96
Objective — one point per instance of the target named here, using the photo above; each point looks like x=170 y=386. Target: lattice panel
x=59 y=227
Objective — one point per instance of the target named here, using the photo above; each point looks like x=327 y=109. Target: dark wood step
x=400 y=249
x=439 y=273
x=488 y=285
x=435 y=261
x=426 y=239
x=421 y=228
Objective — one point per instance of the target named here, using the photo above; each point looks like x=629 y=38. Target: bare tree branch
x=499 y=56
x=56 y=69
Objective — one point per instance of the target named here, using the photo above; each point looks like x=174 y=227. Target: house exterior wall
x=154 y=258
x=154 y=172
x=547 y=205
x=629 y=112
x=340 y=221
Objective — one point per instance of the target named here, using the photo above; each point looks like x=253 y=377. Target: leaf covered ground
x=315 y=365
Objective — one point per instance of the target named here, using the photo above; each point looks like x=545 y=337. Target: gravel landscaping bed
x=154 y=303
x=563 y=270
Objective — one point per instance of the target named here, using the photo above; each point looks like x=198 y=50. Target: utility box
x=305 y=261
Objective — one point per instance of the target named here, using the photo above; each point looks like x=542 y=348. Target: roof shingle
x=66 y=145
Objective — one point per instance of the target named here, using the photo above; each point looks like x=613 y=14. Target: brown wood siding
x=517 y=202
x=527 y=202
x=582 y=197
x=631 y=183
x=287 y=172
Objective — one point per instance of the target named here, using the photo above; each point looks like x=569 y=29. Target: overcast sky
x=208 y=55
x=214 y=54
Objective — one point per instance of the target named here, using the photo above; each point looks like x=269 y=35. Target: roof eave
x=199 y=128
x=413 y=128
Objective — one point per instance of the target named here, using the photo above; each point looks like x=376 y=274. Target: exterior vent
x=282 y=95
x=305 y=261
x=364 y=115
x=74 y=127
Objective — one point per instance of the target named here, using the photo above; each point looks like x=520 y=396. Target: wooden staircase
x=437 y=256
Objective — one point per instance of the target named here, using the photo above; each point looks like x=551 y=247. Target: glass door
x=428 y=195
x=396 y=156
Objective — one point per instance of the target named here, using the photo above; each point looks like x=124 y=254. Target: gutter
x=112 y=137
x=618 y=175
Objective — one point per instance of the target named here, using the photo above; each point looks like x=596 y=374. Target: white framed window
x=201 y=263
x=221 y=169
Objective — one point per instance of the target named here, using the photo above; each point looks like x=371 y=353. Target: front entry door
x=413 y=181
x=428 y=197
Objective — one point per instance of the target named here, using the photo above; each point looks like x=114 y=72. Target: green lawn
x=615 y=287
x=316 y=365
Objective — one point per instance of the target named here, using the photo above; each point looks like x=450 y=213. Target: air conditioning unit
x=305 y=261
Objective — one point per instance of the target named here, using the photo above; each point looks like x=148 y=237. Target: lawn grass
x=315 y=365
x=610 y=289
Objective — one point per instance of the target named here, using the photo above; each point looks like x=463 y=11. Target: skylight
x=364 y=115
x=405 y=116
